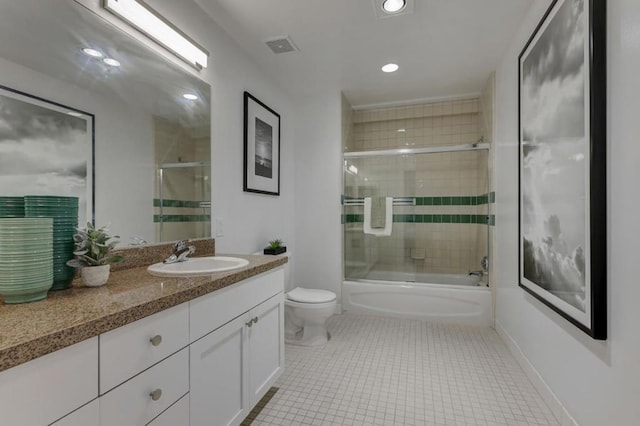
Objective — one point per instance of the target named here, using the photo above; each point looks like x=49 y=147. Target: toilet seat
x=311 y=296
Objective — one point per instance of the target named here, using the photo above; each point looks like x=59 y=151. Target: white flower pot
x=95 y=276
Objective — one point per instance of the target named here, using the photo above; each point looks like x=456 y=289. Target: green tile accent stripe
x=471 y=200
x=177 y=203
x=429 y=218
x=182 y=218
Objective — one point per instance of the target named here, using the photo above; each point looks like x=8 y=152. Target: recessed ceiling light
x=390 y=68
x=190 y=96
x=111 y=62
x=92 y=52
x=393 y=6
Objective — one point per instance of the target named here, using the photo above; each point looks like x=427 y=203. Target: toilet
x=306 y=312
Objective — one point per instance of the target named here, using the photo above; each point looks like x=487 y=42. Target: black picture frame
x=562 y=163
x=48 y=149
x=261 y=147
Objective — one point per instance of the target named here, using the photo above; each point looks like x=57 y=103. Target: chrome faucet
x=477 y=273
x=180 y=252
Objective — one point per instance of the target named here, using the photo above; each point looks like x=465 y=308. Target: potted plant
x=275 y=247
x=93 y=254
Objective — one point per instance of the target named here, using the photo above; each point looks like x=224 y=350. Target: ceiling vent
x=282 y=44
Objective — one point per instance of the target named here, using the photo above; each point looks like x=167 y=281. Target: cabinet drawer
x=218 y=308
x=47 y=388
x=132 y=403
x=128 y=350
x=85 y=416
x=176 y=415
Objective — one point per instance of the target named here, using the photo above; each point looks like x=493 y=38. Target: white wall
x=249 y=220
x=597 y=382
x=318 y=185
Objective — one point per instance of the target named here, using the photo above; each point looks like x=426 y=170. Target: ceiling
x=445 y=48
x=47 y=37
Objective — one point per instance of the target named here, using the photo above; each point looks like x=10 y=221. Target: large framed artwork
x=261 y=147
x=562 y=150
x=46 y=148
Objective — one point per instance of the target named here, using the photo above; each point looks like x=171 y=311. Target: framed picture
x=46 y=148
x=261 y=147
x=562 y=150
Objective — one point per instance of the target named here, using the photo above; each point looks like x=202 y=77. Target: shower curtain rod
x=427 y=150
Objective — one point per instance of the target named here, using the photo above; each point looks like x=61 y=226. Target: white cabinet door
x=89 y=415
x=45 y=389
x=219 y=385
x=266 y=346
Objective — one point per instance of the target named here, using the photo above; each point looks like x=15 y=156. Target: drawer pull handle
x=156 y=340
x=255 y=320
x=251 y=321
x=156 y=394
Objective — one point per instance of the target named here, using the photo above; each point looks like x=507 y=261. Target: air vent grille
x=282 y=44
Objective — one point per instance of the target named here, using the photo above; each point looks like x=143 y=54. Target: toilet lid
x=308 y=295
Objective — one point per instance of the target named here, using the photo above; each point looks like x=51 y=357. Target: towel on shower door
x=378 y=212
x=388 y=218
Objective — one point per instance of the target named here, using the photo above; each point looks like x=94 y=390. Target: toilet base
x=311 y=335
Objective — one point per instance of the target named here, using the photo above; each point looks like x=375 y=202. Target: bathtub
x=461 y=299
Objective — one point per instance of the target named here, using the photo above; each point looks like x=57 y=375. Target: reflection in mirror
x=152 y=143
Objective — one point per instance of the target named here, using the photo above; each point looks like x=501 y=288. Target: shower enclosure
x=433 y=162
x=183 y=205
x=441 y=213
x=182 y=201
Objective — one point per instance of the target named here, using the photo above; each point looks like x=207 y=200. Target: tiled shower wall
x=422 y=240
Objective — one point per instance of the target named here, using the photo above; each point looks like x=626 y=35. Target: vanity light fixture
x=393 y=6
x=111 y=62
x=92 y=52
x=190 y=96
x=156 y=27
x=390 y=68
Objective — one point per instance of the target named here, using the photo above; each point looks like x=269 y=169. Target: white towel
x=379 y=232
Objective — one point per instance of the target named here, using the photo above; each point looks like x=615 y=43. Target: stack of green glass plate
x=64 y=212
x=26 y=259
x=11 y=207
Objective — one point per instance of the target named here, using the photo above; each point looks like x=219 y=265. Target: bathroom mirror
x=151 y=156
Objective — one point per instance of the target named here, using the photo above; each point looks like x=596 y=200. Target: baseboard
x=558 y=410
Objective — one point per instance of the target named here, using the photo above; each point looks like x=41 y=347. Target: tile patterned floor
x=386 y=371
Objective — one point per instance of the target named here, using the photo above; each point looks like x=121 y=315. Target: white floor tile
x=386 y=371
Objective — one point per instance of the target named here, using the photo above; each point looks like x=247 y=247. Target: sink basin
x=197 y=266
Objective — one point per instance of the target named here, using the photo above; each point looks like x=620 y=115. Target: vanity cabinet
x=204 y=362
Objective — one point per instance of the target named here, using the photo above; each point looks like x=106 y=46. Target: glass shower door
x=183 y=203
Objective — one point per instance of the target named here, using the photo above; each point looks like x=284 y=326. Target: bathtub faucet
x=180 y=252
x=477 y=273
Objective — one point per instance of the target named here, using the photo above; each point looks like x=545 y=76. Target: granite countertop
x=66 y=317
